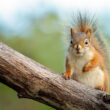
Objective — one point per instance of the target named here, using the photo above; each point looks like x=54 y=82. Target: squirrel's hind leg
x=99 y=88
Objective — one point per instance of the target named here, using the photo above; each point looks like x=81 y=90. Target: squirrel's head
x=80 y=41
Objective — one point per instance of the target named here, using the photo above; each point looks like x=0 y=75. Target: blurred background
x=36 y=28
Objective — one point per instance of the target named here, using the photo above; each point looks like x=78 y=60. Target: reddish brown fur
x=84 y=24
x=94 y=62
x=98 y=61
x=68 y=73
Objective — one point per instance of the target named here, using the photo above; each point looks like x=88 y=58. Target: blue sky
x=11 y=9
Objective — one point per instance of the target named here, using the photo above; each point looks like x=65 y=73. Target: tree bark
x=34 y=81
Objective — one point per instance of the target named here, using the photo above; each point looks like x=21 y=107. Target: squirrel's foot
x=99 y=88
x=67 y=75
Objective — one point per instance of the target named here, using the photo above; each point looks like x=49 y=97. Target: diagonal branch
x=34 y=81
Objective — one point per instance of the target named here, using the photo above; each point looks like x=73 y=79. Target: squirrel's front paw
x=86 y=68
x=67 y=75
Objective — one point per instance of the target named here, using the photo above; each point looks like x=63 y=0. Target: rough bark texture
x=34 y=81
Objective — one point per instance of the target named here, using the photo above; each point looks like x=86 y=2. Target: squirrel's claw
x=66 y=75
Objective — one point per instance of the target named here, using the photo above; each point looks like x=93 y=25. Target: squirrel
x=86 y=56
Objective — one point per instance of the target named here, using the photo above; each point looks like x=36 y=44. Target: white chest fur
x=92 y=78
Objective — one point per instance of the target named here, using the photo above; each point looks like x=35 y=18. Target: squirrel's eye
x=86 y=41
x=71 y=42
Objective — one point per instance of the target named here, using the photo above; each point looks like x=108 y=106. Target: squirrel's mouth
x=78 y=52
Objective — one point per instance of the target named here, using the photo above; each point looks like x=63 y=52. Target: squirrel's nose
x=77 y=47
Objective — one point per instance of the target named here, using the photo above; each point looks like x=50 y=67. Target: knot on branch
x=106 y=98
x=22 y=94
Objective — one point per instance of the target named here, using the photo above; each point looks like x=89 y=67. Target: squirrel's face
x=80 y=43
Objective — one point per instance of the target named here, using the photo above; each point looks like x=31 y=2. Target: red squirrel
x=85 y=60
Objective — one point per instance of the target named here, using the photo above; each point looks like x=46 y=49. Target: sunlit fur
x=85 y=62
x=92 y=78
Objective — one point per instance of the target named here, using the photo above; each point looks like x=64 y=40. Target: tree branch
x=34 y=81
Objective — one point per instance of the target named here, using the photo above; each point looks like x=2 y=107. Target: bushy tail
x=82 y=21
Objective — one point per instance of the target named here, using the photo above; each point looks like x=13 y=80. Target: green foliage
x=43 y=44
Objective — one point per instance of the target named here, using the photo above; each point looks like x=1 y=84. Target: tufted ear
x=72 y=31
x=89 y=32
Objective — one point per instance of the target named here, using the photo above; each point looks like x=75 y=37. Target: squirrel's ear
x=89 y=32
x=72 y=31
